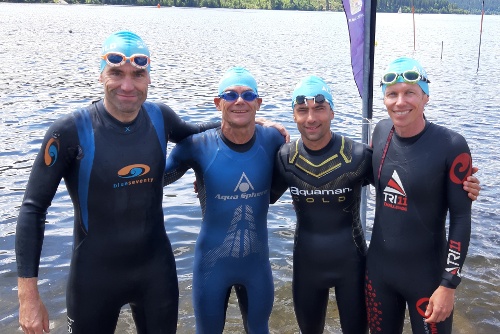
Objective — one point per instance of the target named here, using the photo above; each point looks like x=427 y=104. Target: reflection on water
x=53 y=51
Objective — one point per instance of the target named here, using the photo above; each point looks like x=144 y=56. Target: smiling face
x=125 y=90
x=405 y=103
x=313 y=122
x=238 y=113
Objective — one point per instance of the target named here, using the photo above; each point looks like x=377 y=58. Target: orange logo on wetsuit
x=461 y=168
x=395 y=195
x=132 y=171
x=51 y=152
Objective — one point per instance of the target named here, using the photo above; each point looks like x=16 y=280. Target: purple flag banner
x=355 y=13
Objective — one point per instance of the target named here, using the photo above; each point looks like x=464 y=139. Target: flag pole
x=370 y=11
x=480 y=35
x=413 y=13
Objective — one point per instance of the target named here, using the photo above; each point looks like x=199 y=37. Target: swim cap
x=237 y=76
x=312 y=86
x=125 y=42
x=402 y=64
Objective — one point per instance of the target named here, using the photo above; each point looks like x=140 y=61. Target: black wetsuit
x=417 y=181
x=121 y=253
x=330 y=247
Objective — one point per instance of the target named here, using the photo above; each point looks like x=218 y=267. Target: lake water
x=51 y=54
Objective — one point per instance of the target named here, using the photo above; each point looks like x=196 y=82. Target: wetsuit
x=329 y=248
x=121 y=253
x=234 y=184
x=417 y=181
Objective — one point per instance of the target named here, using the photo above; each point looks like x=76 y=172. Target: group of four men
x=122 y=255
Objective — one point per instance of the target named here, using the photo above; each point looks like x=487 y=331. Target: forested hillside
x=440 y=6
x=390 y=6
x=475 y=6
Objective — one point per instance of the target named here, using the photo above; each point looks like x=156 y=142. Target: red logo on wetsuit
x=421 y=307
x=394 y=194
x=453 y=260
x=461 y=168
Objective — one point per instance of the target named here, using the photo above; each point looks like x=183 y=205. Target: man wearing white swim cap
x=111 y=155
x=419 y=169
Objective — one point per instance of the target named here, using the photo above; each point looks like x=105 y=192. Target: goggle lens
x=301 y=99
x=231 y=96
x=118 y=59
x=141 y=60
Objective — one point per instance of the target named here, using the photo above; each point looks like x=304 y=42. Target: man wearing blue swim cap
x=125 y=66
x=111 y=155
x=325 y=172
x=233 y=166
x=419 y=169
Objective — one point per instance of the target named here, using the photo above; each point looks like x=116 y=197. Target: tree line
x=383 y=6
x=439 y=6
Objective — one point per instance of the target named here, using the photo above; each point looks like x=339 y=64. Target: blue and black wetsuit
x=329 y=249
x=121 y=253
x=232 y=249
x=418 y=181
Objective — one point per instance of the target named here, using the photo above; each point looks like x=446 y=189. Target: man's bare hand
x=33 y=316
x=278 y=126
x=471 y=185
x=440 y=305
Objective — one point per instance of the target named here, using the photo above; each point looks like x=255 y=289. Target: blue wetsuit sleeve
x=177 y=129
x=460 y=166
x=176 y=165
x=186 y=155
x=58 y=151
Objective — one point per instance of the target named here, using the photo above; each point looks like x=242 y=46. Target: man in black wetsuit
x=418 y=168
x=111 y=155
x=325 y=173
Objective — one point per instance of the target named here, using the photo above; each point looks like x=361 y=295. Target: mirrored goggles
x=410 y=76
x=114 y=59
x=231 y=95
x=301 y=99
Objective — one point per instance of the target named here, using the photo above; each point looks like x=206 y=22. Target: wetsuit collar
x=240 y=148
x=322 y=150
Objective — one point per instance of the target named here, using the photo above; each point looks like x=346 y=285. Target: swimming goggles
x=118 y=59
x=410 y=76
x=301 y=99
x=231 y=95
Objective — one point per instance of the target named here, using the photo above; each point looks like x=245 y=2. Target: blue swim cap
x=237 y=76
x=312 y=86
x=402 y=64
x=125 y=42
